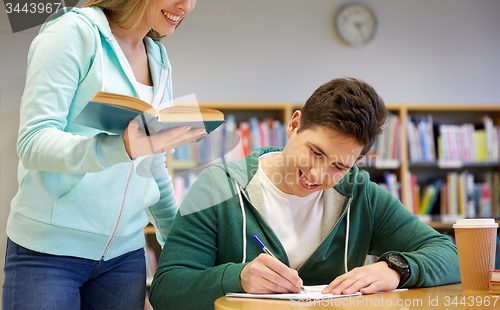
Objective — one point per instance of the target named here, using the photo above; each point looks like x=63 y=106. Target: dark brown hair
x=350 y=107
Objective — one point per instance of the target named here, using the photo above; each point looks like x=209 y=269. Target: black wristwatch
x=398 y=263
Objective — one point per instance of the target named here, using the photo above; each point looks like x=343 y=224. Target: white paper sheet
x=313 y=292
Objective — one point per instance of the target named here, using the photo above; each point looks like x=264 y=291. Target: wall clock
x=355 y=24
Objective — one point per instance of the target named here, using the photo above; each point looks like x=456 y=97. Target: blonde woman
x=76 y=223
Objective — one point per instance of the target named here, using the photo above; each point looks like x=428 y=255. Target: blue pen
x=265 y=249
x=262 y=245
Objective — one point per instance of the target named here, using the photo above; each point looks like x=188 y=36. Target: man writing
x=311 y=206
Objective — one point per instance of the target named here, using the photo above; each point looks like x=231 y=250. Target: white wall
x=430 y=51
x=13 y=53
x=281 y=50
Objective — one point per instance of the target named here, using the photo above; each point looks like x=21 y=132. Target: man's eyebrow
x=324 y=153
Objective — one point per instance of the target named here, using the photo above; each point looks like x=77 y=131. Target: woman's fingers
x=137 y=143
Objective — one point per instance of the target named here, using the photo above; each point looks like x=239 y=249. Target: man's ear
x=294 y=123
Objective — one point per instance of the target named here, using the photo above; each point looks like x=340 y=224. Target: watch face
x=356 y=24
x=397 y=261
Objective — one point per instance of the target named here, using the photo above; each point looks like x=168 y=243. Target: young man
x=313 y=209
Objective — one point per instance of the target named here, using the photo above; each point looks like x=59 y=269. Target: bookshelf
x=402 y=167
x=450 y=170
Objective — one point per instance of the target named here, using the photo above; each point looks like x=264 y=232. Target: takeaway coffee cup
x=476 y=245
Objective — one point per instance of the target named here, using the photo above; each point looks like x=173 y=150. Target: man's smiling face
x=315 y=159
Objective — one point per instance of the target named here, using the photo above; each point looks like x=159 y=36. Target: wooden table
x=436 y=298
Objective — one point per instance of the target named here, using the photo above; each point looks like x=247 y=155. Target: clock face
x=356 y=24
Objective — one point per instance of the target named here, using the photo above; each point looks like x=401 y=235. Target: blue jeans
x=42 y=281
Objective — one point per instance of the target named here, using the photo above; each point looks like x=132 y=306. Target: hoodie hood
x=159 y=66
x=96 y=17
x=243 y=182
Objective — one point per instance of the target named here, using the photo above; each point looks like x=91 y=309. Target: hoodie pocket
x=93 y=204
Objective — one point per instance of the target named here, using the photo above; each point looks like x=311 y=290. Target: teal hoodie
x=211 y=241
x=79 y=192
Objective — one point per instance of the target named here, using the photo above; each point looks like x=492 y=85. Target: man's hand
x=266 y=274
x=139 y=144
x=367 y=280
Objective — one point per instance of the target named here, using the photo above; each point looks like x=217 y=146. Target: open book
x=112 y=113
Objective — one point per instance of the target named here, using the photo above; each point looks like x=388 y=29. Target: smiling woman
x=91 y=192
x=128 y=14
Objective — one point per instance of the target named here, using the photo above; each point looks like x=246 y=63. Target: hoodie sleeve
x=162 y=214
x=432 y=257
x=58 y=60
x=188 y=274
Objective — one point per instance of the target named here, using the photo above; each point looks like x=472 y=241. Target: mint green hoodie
x=79 y=192
x=211 y=241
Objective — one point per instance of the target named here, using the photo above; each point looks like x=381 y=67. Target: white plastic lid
x=475 y=223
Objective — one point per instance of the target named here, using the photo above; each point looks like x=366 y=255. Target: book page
x=124 y=101
x=189 y=114
x=186 y=109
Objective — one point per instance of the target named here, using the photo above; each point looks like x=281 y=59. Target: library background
x=441 y=161
x=260 y=60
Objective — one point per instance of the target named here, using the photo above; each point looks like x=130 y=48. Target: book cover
x=495 y=275
x=392 y=184
x=431 y=194
x=255 y=133
x=412 y=148
x=396 y=145
x=245 y=137
x=112 y=113
x=466 y=143
x=443 y=130
x=444 y=200
x=451 y=180
x=409 y=193
x=422 y=131
x=390 y=137
x=430 y=137
x=488 y=129
x=382 y=140
x=480 y=145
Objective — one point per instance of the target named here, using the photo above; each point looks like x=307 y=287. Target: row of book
x=467 y=144
x=391 y=184
x=457 y=196
x=455 y=143
x=233 y=141
x=387 y=147
x=182 y=182
x=420 y=135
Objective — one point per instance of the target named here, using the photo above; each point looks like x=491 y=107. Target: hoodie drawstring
x=238 y=189
x=99 y=46
x=242 y=206
x=347 y=234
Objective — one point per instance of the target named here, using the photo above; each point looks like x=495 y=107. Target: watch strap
x=402 y=268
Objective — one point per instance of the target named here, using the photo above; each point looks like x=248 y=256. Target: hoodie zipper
x=127 y=186
x=125 y=194
x=120 y=214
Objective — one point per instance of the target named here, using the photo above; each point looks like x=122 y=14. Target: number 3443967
x=32 y=8
x=471 y=301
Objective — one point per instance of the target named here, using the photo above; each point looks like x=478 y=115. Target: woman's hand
x=266 y=274
x=367 y=280
x=137 y=143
